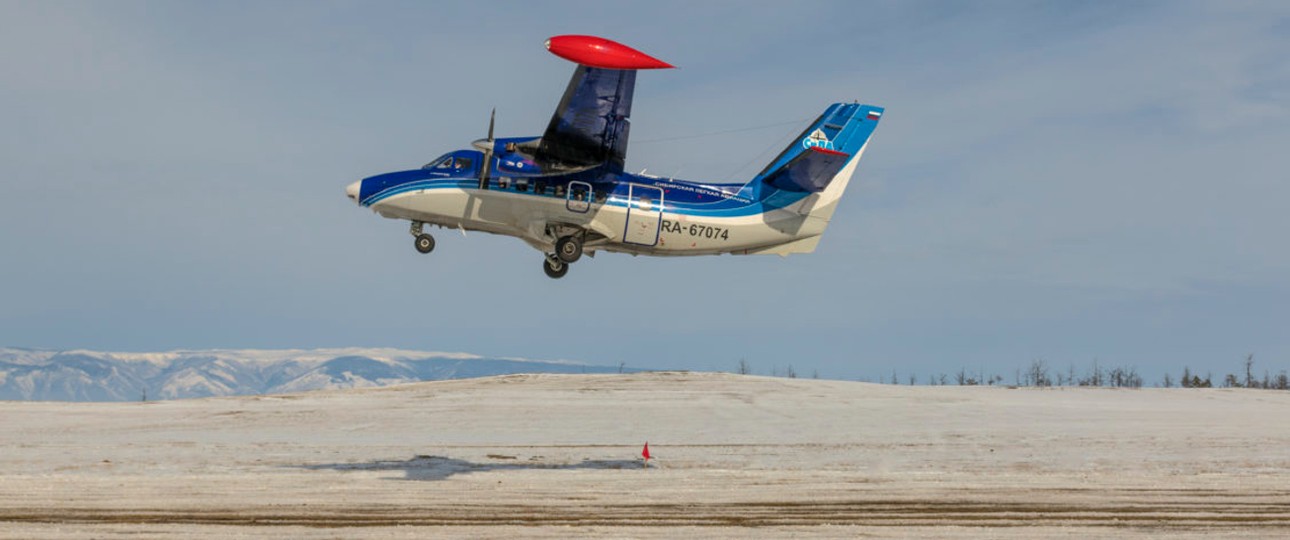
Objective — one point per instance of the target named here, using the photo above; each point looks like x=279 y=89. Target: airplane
x=566 y=193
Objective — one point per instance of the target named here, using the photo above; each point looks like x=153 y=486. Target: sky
x=1056 y=181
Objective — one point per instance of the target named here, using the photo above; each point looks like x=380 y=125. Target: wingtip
x=598 y=52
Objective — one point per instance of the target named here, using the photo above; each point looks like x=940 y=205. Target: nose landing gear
x=423 y=242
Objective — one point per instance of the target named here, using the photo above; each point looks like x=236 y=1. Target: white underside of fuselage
x=539 y=220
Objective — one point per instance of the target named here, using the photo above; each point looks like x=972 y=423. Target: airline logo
x=817 y=138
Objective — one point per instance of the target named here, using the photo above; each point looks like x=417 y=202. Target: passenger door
x=644 y=215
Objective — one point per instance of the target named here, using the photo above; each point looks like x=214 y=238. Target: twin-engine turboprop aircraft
x=565 y=192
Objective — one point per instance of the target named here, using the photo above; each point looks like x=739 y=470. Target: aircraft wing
x=590 y=125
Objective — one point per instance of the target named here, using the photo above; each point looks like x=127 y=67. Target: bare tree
x=744 y=368
x=1197 y=382
x=913 y=379
x=1037 y=374
x=1230 y=381
x=791 y=374
x=1249 y=370
x=963 y=378
x=1168 y=382
x=1131 y=379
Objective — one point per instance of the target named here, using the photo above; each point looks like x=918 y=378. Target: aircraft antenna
x=777 y=143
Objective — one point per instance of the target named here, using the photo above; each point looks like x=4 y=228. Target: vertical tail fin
x=822 y=159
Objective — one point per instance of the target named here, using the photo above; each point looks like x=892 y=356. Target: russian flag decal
x=874 y=115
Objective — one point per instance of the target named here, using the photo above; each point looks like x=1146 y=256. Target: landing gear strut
x=424 y=242
x=568 y=249
x=554 y=267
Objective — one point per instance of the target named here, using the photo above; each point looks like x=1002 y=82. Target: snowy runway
x=554 y=455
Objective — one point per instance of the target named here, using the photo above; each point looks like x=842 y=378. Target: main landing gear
x=423 y=242
x=569 y=249
x=554 y=267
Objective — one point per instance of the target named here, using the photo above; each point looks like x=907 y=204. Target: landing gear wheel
x=554 y=267
x=568 y=249
x=424 y=243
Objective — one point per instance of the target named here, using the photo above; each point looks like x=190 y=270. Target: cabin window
x=463 y=164
x=601 y=197
x=559 y=190
x=578 y=193
x=503 y=182
x=539 y=187
x=522 y=184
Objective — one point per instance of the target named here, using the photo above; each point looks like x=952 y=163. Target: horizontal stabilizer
x=811 y=170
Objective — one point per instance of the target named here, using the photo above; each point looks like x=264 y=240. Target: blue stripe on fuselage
x=679 y=197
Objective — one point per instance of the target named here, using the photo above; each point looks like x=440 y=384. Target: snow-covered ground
x=736 y=456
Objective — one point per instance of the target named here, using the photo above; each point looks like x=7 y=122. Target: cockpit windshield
x=454 y=164
x=443 y=163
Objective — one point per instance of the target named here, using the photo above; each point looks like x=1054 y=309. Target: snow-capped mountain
x=80 y=375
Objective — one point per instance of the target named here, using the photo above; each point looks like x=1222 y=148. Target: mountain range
x=81 y=375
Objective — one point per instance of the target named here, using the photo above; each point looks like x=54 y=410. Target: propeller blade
x=488 y=153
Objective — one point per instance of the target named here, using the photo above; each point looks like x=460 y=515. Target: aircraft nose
x=352 y=191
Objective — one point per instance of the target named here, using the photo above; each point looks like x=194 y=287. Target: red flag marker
x=645 y=453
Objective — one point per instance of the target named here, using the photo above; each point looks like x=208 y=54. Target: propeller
x=486 y=145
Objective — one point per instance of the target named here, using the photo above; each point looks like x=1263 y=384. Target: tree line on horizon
x=1040 y=374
